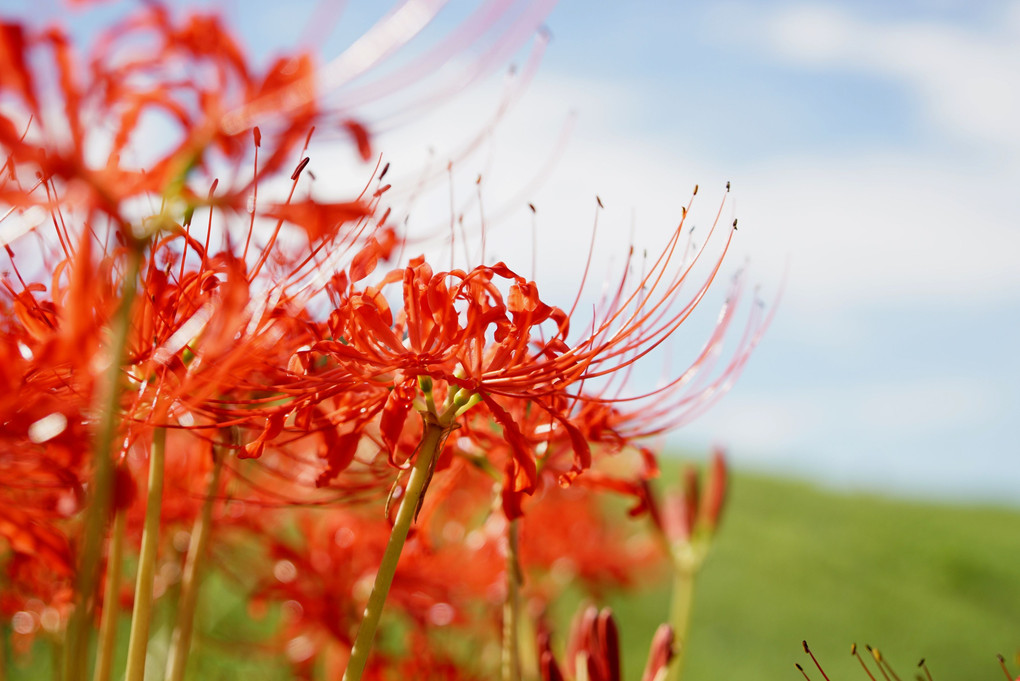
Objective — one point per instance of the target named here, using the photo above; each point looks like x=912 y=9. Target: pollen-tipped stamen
x=815 y=660
x=882 y=666
x=1005 y=669
x=853 y=651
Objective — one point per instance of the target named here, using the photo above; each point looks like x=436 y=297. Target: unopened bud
x=660 y=654
x=715 y=491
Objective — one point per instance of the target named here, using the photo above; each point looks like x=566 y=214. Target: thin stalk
x=138 y=642
x=680 y=615
x=420 y=472
x=180 y=644
x=97 y=510
x=511 y=608
x=111 y=600
x=3 y=653
x=57 y=655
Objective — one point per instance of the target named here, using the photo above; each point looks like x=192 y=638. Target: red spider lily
x=190 y=74
x=460 y=333
x=41 y=461
x=441 y=343
x=593 y=651
x=199 y=355
x=198 y=337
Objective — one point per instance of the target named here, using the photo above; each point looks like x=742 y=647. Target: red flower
x=189 y=74
x=486 y=338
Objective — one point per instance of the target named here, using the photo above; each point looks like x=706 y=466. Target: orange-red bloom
x=418 y=337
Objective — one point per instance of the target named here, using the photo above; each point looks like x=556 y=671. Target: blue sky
x=874 y=152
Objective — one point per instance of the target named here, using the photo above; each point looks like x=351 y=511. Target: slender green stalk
x=3 y=653
x=180 y=643
x=97 y=510
x=680 y=615
x=111 y=600
x=511 y=608
x=432 y=439
x=138 y=642
x=57 y=656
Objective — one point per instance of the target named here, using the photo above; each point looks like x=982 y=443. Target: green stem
x=142 y=614
x=3 y=653
x=57 y=656
x=180 y=645
x=97 y=510
x=111 y=600
x=431 y=440
x=511 y=608
x=680 y=615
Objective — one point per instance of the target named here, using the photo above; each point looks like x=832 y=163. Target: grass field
x=795 y=562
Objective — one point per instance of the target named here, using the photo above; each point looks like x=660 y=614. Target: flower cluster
x=203 y=378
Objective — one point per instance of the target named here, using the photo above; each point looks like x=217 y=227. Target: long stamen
x=878 y=661
x=927 y=673
x=1005 y=669
x=815 y=660
x=853 y=651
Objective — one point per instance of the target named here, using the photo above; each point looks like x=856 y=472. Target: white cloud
x=968 y=79
x=920 y=407
x=856 y=228
x=868 y=227
x=869 y=426
x=884 y=229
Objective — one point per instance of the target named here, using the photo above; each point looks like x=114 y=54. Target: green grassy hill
x=794 y=562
